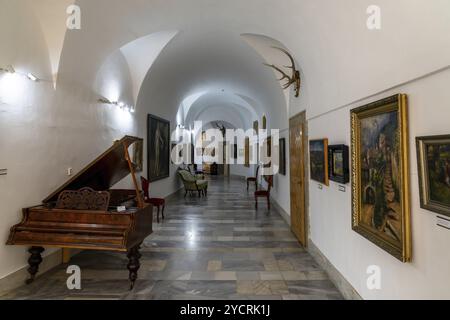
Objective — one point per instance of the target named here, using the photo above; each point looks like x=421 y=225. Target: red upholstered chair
x=253 y=179
x=157 y=202
x=264 y=193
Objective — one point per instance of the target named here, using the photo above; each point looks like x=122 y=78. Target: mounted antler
x=221 y=128
x=294 y=79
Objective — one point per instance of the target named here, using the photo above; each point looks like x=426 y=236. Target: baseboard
x=346 y=289
x=17 y=279
x=286 y=217
x=173 y=195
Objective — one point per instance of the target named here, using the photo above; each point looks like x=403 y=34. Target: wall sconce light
x=32 y=77
x=10 y=69
x=119 y=104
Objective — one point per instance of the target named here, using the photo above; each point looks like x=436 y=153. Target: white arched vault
x=221 y=106
x=134 y=59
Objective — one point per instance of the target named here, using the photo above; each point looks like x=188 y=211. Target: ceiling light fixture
x=10 y=69
x=119 y=104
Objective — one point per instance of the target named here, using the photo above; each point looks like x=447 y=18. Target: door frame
x=304 y=121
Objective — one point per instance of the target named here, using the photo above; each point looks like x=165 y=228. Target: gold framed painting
x=380 y=172
x=433 y=159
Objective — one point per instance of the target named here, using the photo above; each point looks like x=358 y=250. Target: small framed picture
x=433 y=155
x=318 y=154
x=338 y=163
x=282 y=149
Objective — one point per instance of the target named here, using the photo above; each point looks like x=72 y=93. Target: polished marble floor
x=217 y=247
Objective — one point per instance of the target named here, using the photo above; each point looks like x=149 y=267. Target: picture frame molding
x=149 y=118
x=425 y=201
x=345 y=178
x=396 y=103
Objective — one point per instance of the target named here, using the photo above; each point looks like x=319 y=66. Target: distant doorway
x=297 y=148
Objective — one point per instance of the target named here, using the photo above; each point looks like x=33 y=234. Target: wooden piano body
x=83 y=213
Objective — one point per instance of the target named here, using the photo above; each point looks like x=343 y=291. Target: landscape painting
x=318 y=150
x=339 y=163
x=158 y=148
x=434 y=173
x=380 y=168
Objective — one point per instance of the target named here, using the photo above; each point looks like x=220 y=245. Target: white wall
x=427 y=276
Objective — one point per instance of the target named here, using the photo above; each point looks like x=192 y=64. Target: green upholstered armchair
x=192 y=184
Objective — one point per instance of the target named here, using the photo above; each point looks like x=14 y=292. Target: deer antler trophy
x=221 y=128
x=291 y=80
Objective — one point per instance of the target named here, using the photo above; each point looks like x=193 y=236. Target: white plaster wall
x=281 y=183
x=427 y=276
x=24 y=130
x=150 y=101
x=242 y=171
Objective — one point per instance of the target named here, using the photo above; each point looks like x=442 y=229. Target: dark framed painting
x=282 y=150
x=380 y=175
x=338 y=163
x=318 y=156
x=158 y=148
x=433 y=158
x=138 y=155
x=247 y=153
x=256 y=127
x=266 y=152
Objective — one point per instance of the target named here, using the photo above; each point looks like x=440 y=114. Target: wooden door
x=298 y=141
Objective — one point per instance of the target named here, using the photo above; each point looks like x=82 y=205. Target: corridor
x=217 y=247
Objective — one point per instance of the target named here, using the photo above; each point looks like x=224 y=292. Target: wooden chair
x=253 y=179
x=264 y=193
x=157 y=202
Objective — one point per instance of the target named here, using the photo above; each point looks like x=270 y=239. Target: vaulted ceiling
x=205 y=45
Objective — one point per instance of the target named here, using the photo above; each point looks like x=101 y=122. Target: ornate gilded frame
x=425 y=200
x=398 y=103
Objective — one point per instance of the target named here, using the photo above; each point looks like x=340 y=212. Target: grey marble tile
x=242 y=265
x=315 y=289
x=248 y=275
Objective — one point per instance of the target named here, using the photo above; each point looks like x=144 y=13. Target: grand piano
x=86 y=214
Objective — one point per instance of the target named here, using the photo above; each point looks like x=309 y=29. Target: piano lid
x=104 y=172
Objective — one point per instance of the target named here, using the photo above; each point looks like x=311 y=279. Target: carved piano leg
x=34 y=261
x=133 y=264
